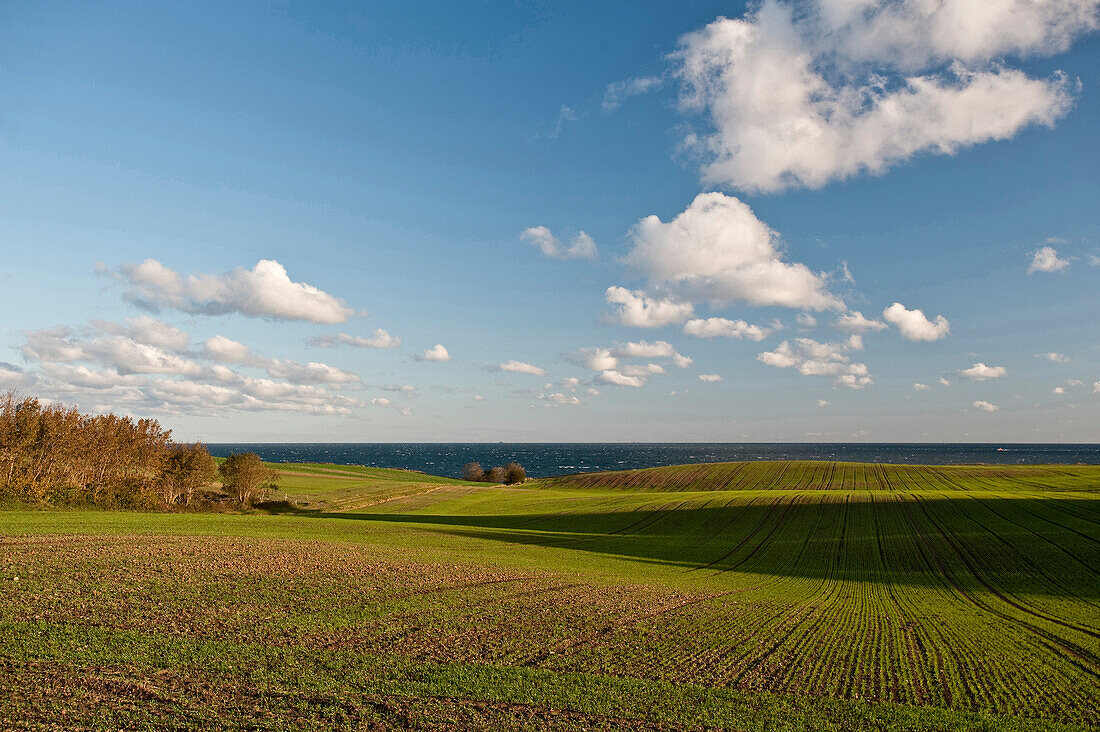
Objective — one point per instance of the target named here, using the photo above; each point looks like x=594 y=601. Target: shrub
x=494 y=475
x=245 y=478
x=473 y=471
x=514 y=473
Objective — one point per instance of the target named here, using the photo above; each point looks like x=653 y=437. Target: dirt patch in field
x=50 y=696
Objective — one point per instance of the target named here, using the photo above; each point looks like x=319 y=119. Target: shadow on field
x=1039 y=546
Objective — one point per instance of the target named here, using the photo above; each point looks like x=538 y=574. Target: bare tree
x=495 y=475
x=473 y=471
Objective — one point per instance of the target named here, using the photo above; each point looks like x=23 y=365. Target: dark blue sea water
x=546 y=459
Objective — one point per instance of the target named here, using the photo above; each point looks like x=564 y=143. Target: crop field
x=779 y=596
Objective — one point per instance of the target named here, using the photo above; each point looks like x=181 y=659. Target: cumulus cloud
x=802 y=93
x=149 y=330
x=379 y=339
x=618 y=92
x=921 y=387
x=406 y=389
x=985 y=406
x=519 y=367
x=611 y=376
x=822 y=403
x=436 y=353
x=1059 y=390
x=855 y=323
x=709 y=378
x=225 y=350
x=725 y=328
x=540 y=237
x=108 y=367
x=639 y=310
x=1052 y=356
x=609 y=361
x=265 y=291
x=1096 y=388
x=717 y=250
x=806 y=320
x=812 y=358
x=981 y=372
x=384 y=403
x=559 y=399
x=1046 y=259
x=654 y=349
x=913 y=325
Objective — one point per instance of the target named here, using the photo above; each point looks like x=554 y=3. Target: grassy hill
x=781 y=596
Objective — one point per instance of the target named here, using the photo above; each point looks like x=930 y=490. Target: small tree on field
x=514 y=473
x=494 y=475
x=188 y=468
x=245 y=478
x=473 y=471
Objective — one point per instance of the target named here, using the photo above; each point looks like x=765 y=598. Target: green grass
x=783 y=596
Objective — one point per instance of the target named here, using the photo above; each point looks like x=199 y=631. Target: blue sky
x=390 y=158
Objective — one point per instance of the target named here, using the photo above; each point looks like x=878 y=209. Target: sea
x=543 y=460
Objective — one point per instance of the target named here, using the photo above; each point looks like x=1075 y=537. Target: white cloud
x=612 y=376
x=855 y=324
x=981 y=372
x=806 y=320
x=985 y=406
x=406 y=389
x=308 y=373
x=581 y=247
x=519 y=367
x=224 y=350
x=379 y=339
x=264 y=291
x=436 y=353
x=913 y=325
x=639 y=310
x=709 y=378
x=384 y=403
x=558 y=398
x=798 y=94
x=615 y=94
x=811 y=358
x=1096 y=388
x=717 y=250
x=107 y=369
x=822 y=403
x=1052 y=356
x=647 y=370
x=1046 y=259
x=1059 y=390
x=725 y=328
x=148 y=330
x=595 y=359
x=921 y=387
x=945 y=381
x=647 y=349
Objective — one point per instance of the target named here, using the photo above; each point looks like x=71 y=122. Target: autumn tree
x=473 y=471
x=245 y=478
x=187 y=468
x=494 y=475
x=514 y=473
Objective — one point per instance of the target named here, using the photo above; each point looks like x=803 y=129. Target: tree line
x=52 y=453
x=510 y=474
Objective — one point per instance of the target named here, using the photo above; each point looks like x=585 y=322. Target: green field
x=778 y=596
